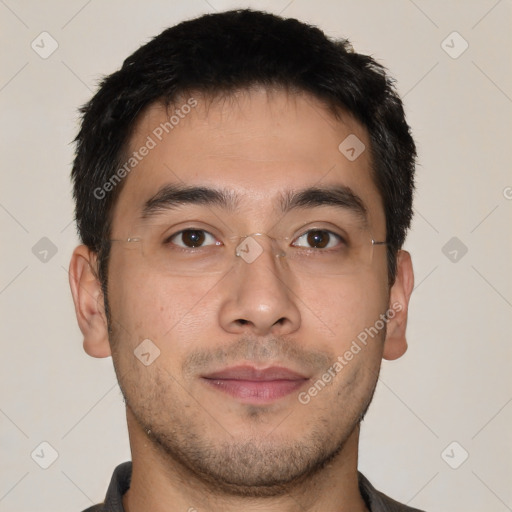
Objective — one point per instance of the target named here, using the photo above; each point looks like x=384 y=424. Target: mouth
x=257 y=386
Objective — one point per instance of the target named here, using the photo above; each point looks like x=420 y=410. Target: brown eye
x=192 y=238
x=318 y=239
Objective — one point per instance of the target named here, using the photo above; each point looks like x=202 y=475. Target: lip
x=254 y=385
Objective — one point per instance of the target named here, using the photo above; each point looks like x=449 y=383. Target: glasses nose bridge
x=250 y=247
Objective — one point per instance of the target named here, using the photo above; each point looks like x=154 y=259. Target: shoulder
x=376 y=501
x=119 y=484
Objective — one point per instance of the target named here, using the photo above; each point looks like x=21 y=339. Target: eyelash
x=169 y=240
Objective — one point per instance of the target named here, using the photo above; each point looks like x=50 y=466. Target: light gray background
x=454 y=383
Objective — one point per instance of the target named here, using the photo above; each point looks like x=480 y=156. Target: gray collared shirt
x=120 y=483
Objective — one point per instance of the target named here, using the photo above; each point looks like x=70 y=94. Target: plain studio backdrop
x=438 y=434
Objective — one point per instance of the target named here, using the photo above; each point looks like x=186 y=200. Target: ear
x=395 y=343
x=88 y=299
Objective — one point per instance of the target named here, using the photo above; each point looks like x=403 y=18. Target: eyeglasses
x=194 y=251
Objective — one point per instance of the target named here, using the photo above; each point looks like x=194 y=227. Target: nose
x=257 y=294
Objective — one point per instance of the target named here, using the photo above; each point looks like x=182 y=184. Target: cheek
x=344 y=308
x=145 y=305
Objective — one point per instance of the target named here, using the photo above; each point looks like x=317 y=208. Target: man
x=243 y=188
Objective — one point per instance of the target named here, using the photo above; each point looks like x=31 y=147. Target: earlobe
x=88 y=299
x=395 y=344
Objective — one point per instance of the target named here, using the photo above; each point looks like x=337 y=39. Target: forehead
x=258 y=144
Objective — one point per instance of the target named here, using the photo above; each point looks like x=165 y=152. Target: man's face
x=217 y=319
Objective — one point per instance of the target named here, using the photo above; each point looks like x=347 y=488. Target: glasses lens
x=324 y=253
x=317 y=250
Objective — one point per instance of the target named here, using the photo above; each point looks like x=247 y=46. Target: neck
x=161 y=484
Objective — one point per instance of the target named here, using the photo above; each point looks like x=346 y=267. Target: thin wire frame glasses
x=195 y=251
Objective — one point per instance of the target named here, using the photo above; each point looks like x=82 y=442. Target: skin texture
x=193 y=445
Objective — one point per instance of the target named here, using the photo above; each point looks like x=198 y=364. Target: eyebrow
x=340 y=196
x=174 y=195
